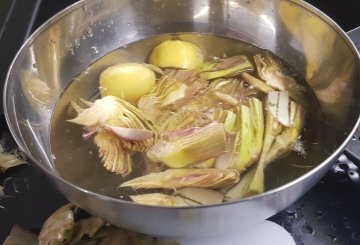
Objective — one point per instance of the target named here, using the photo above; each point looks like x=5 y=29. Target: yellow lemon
x=177 y=54
x=128 y=81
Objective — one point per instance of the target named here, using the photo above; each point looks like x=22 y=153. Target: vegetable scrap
x=71 y=225
x=10 y=159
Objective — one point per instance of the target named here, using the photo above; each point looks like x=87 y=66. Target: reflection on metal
x=329 y=65
x=39 y=143
x=269 y=21
x=202 y=12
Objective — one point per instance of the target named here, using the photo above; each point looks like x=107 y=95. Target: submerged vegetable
x=278 y=106
x=120 y=129
x=228 y=67
x=176 y=54
x=172 y=92
x=127 y=81
x=278 y=140
x=197 y=127
x=192 y=145
x=188 y=196
x=276 y=76
x=272 y=72
x=178 y=178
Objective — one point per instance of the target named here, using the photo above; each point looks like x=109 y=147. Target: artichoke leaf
x=230 y=121
x=21 y=236
x=178 y=178
x=155 y=68
x=273 y=73
x=227 y=159
x=154 y=199
x=192 y=145
x=188 y=196
x=278 y=106
x=59 y=227
x=241 y=189
x=244 y=140
x=201 y=195
x=101 y=111
x=257 y=83
x=228 y=67
x=184 y=119
x=156 y=105
x=210 y=163
x=258 y=124
x=122 y=119
x=86 y=227
x=131 y=133
x=289 y=136
x=114 y=157
x=233 y=87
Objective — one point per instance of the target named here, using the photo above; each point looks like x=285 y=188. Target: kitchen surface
x=327 y=214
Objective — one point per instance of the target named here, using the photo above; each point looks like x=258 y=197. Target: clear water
x=77 y=160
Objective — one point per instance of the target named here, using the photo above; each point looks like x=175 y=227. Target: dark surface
x=16 y=19
x=328 y=214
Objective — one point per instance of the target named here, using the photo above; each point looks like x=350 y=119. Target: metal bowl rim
x=52 y=174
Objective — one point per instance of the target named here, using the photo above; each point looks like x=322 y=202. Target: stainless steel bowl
x=76 y=37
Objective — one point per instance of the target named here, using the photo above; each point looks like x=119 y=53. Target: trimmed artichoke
x=189 y=196
x=178 y=178
x=193 y=145
x=274 y=74
x=170 y=94
x=121 y=129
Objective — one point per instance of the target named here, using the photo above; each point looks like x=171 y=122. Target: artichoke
x=178 y=178
x=121 y=129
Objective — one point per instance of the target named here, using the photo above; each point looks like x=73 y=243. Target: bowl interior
x=67 y=44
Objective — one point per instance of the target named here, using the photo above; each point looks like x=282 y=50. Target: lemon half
x=177 y=54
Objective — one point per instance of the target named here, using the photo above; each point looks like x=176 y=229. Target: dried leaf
x=88 y=227
x=117 y=236
x=21 y=236
x=59 y=227
x=9 y=160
